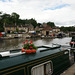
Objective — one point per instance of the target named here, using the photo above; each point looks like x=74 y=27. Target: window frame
x=41 y=65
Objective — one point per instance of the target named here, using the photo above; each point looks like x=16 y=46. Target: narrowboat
x=72 y=42
x=46 y=61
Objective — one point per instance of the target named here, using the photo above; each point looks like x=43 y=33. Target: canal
x=18 y=43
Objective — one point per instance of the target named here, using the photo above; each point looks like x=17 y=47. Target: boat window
x=48 y=69
x=43 y=69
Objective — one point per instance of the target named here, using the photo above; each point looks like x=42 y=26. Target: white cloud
x=42 y=11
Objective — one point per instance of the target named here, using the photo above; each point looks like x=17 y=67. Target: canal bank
x=70 y=71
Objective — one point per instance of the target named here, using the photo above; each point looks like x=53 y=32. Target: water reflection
x=17 y=43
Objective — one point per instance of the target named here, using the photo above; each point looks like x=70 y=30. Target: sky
x=61 y=12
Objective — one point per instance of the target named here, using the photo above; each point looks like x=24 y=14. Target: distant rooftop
x=47 y=28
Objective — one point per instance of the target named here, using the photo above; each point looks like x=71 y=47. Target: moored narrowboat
x=46 y=61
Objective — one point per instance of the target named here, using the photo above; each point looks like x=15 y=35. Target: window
x=43 y=69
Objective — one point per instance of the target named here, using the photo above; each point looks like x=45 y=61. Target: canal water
x=12 y=44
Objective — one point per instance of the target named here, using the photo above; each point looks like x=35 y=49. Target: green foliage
x=51 y=24
x=21 y=31
x=67 y=29
x=27 y=46
x=13 y=19
x=37 y=31
x=17 y=30
x=12 y=32
x=31 y=21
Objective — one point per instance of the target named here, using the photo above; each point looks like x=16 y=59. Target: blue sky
x=59 y=7
x=5 y=0
x=61 y=12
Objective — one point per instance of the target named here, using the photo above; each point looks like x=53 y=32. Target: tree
x=33 y=22
x=67 y=29
x=51 y=24
x=5 y=18
x=1 y=24
x=15 y=17
x=39 y=24
x=17 y=30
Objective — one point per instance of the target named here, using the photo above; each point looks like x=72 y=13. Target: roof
x=56 y=28
x=26 y=25
x=13 y=61
x=29 y=25
x=10 y=25
x=47 y=28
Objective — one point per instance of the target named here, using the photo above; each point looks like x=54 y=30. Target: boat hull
x=60 y=62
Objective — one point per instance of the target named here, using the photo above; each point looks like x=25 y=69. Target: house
x=44 y=25
x=23 y=28
x=56 y=29
x=20 y=28
x=47 y=31
x=30 y=27
x=37 y=28
x=10 y=28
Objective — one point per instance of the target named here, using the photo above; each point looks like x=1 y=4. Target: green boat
x=46 y=61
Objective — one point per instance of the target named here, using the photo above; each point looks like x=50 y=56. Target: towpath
x=70 y=71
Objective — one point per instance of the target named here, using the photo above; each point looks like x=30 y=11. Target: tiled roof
x=10 y=26
x=47 y=28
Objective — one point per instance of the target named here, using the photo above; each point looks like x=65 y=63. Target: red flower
x=31 y=47
x=31 y=41
x=24 y=42
x=23 y=50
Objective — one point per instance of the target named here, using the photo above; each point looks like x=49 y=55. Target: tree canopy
x=67 y=29
x=51 y=24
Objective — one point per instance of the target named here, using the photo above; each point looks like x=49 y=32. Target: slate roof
x=47 y=28
x=10 y=26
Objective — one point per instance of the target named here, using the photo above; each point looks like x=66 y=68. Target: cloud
x=61 y=12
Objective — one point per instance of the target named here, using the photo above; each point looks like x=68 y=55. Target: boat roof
x=42 y=51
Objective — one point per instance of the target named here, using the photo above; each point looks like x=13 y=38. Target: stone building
x=10 y=28
x=47 y=31
x=56 y=29
x=20 y=28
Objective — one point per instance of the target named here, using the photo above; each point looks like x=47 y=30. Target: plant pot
x=33 y=51
x=23 y=50
x=30 y=51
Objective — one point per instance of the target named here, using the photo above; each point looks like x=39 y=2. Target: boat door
x=43 y=69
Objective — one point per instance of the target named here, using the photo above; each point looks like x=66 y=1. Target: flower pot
x=33 y=51
x=28 y=51
x=23 y=50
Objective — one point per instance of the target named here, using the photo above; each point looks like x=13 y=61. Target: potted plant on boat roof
x=29 y=47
